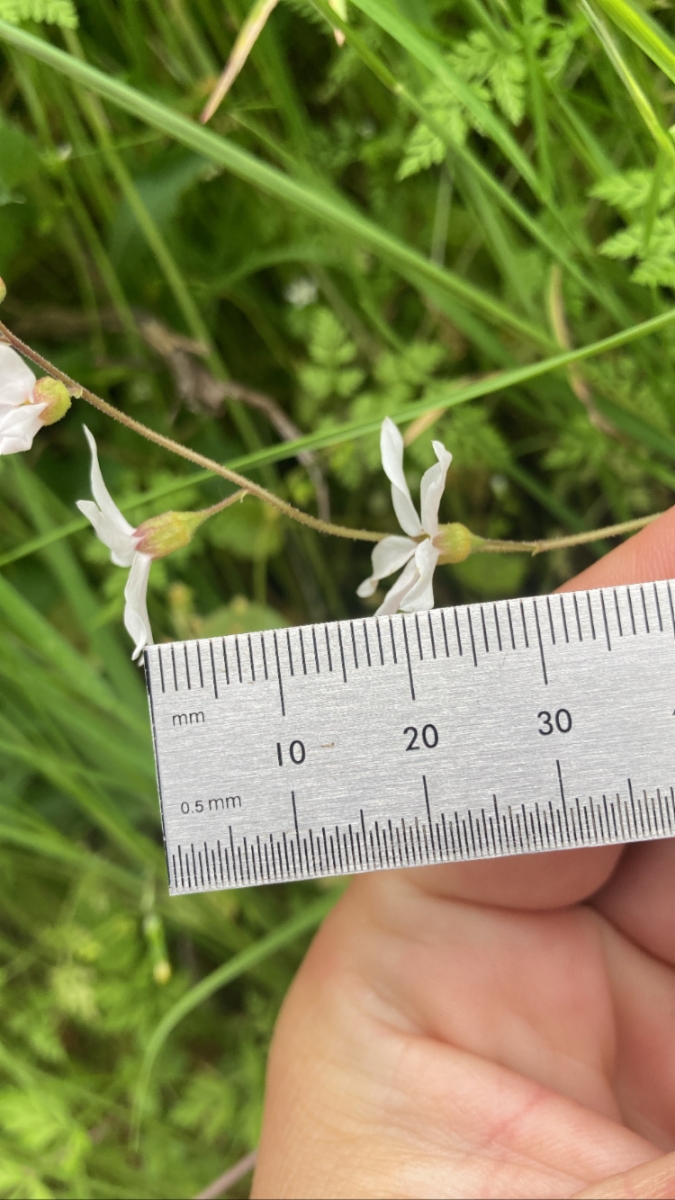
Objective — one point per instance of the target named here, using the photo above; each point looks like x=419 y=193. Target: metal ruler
x=458 y=734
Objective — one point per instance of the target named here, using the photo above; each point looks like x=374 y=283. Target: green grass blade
x=324 y=206
x=285 y=935
x=644 y=31
x=25 y=620
x=641 y=101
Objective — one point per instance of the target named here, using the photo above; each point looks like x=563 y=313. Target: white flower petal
x=389 y=555
x=421 y=595
x=393 y=598
x=16 y=378
x=136 y=617
x=18 y=427
x=101 y=494
x=431 y=489
x=391 y=448
x=122 y=547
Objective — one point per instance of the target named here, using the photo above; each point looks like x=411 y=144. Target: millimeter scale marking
x=458 y=734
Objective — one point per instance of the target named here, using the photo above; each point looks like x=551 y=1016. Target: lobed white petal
x=100 y=492
x=421 y=595
x=121 y=546
x=432 y=487
x=136 y=617
x=16 y=378
x=393 y=598
x=18 y=427
x=391 y=448
x=389 y=555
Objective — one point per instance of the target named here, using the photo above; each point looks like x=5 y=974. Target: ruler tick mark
x=330 y=657
x=199 y=663
x=175 y=674
x=541 y=644
x=428 y=807
x=161 y=667
x=264 y=654
x=316 y=651
x=459 y=640
x=407 y=654
x=281 y=689
x=522 y=617
x=485 y=636
x=644 y=608
x=342 y=653
x=393 y=641
x=564 y=617
x=290 y=652
x=187 y=666
x=419 y=637
x=618 y=612
x=379 y=641
x=431 y=635
x=550 y=618
x=497 y=629
x=250 y=654
x=630 y=609
x=236 y=646
x=604 y=618
x=445 y=634
x=511 y=632
x=225 y=662
x=213 y=671
x=302 y=653
x=473 y=641
x=576 y=610
x=356 y=660
x=658 y=607
x=365 y=638
x=590 y=614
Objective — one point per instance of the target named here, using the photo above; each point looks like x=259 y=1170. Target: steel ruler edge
x=452 y=735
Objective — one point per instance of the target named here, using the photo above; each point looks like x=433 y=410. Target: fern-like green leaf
x=507 y=80
x=53 y=12
x=631 y=190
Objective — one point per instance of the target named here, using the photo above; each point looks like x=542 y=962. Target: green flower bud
x=456 y=542
x=55 y=395
x=3 y=289
x=166 y=533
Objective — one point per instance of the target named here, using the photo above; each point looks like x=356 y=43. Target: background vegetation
x=463 y=188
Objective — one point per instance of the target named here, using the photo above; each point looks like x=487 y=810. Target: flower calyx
x=55 y=398
x=168 y=532
x=455 y=542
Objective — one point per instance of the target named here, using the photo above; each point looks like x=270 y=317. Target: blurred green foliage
x=510 y=154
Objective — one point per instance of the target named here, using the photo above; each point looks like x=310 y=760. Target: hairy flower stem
x=247 y=485
x=496 y=546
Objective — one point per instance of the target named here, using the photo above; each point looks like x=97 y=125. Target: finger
x=525 y=881
x=557 y=879
x=654 y=1180
x=639 y=899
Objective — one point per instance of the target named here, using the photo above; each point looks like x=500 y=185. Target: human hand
x=491 y=1029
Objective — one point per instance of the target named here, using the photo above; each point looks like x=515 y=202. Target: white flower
x=416 y=553
x=122 y=540
x=20 y=413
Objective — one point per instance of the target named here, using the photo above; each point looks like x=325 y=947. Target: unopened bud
x=55 y=395
x=456 y=542
x=3 y=289
x=166 y=533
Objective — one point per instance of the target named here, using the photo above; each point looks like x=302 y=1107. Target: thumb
x=653 y=1180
